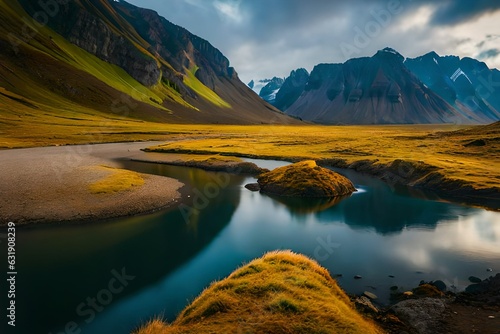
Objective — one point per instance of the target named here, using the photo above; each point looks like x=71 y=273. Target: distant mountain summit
x=93 y=53
x=461 y=82
x=375 y=90
x=268 y=92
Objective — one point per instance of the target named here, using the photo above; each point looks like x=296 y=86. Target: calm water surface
x=168 y=258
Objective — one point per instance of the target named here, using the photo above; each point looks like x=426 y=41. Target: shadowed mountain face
x=376 y=90
x=93 y=52
x=291 y=89
x=460 y=81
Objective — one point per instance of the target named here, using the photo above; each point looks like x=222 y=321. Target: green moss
x=206 y=93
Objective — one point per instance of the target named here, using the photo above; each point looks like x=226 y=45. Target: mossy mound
x=282 y=292
x=305 y=179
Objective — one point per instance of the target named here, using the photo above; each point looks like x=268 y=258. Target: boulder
x=305 y=179
x=253 y=186
x=423 y=314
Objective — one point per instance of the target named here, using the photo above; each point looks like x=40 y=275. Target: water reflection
x=304 y=205
x=388 y=210
x=62 y=266
x=376 y=232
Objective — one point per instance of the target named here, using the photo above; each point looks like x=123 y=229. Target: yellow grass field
x=443 y=146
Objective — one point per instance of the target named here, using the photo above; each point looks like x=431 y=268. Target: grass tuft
x=305 y=179
x=118 y=180
x=270 y=300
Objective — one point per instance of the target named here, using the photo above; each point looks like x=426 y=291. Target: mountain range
x=62 y=60
x=94 y=56
x=387 y=89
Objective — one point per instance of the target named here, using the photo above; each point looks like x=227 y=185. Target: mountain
x=291 y=89
x=94 y=56
x=376 y=90
x=257 y=85
x=268 y=92
x=463 y=81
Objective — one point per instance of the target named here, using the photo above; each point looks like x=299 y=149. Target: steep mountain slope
x=291 y=89
x=110 y=59
x=460 y=81
x=376 y=90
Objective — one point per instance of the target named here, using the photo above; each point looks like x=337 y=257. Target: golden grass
x=479 y=165
x=305 y=179
x=282 y=292
x=118 y=180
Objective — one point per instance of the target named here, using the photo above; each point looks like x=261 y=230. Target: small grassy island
x=282 y=292
x=305 y=179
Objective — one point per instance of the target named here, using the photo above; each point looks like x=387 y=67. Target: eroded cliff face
x=94 y=36
x=84 y=24
x=138 y=40
x=181 y=49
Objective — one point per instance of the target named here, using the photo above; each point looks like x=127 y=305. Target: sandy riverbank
x=50 y=185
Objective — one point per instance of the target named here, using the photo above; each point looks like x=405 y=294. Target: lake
x=108 y=277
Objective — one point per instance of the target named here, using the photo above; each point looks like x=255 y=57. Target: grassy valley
x=104 y=71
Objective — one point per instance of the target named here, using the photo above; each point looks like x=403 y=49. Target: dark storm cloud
x=264 y=38
x=491 y=53
x=454 y=12
x=279 y=13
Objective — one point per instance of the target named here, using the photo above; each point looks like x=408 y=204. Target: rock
x=370 y=295
x=305 y=179
x=393 y=288
x=422 y=314
x=474 y=289
x=427 y=290
x=408 y=293
x=358 y=277
x=253 y=186
x=440 y=285
x=487 y=292
x=365 y=305
x=477 y=142
x=474 y=279
x=489 y=270
x=391 y=276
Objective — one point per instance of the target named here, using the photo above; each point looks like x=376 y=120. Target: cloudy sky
x=266 y=38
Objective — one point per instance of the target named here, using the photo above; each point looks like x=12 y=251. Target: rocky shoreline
x=431 y=308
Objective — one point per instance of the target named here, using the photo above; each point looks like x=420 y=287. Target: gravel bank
x=50 y=185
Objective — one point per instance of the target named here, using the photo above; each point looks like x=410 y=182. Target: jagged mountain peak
x=375 y=90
